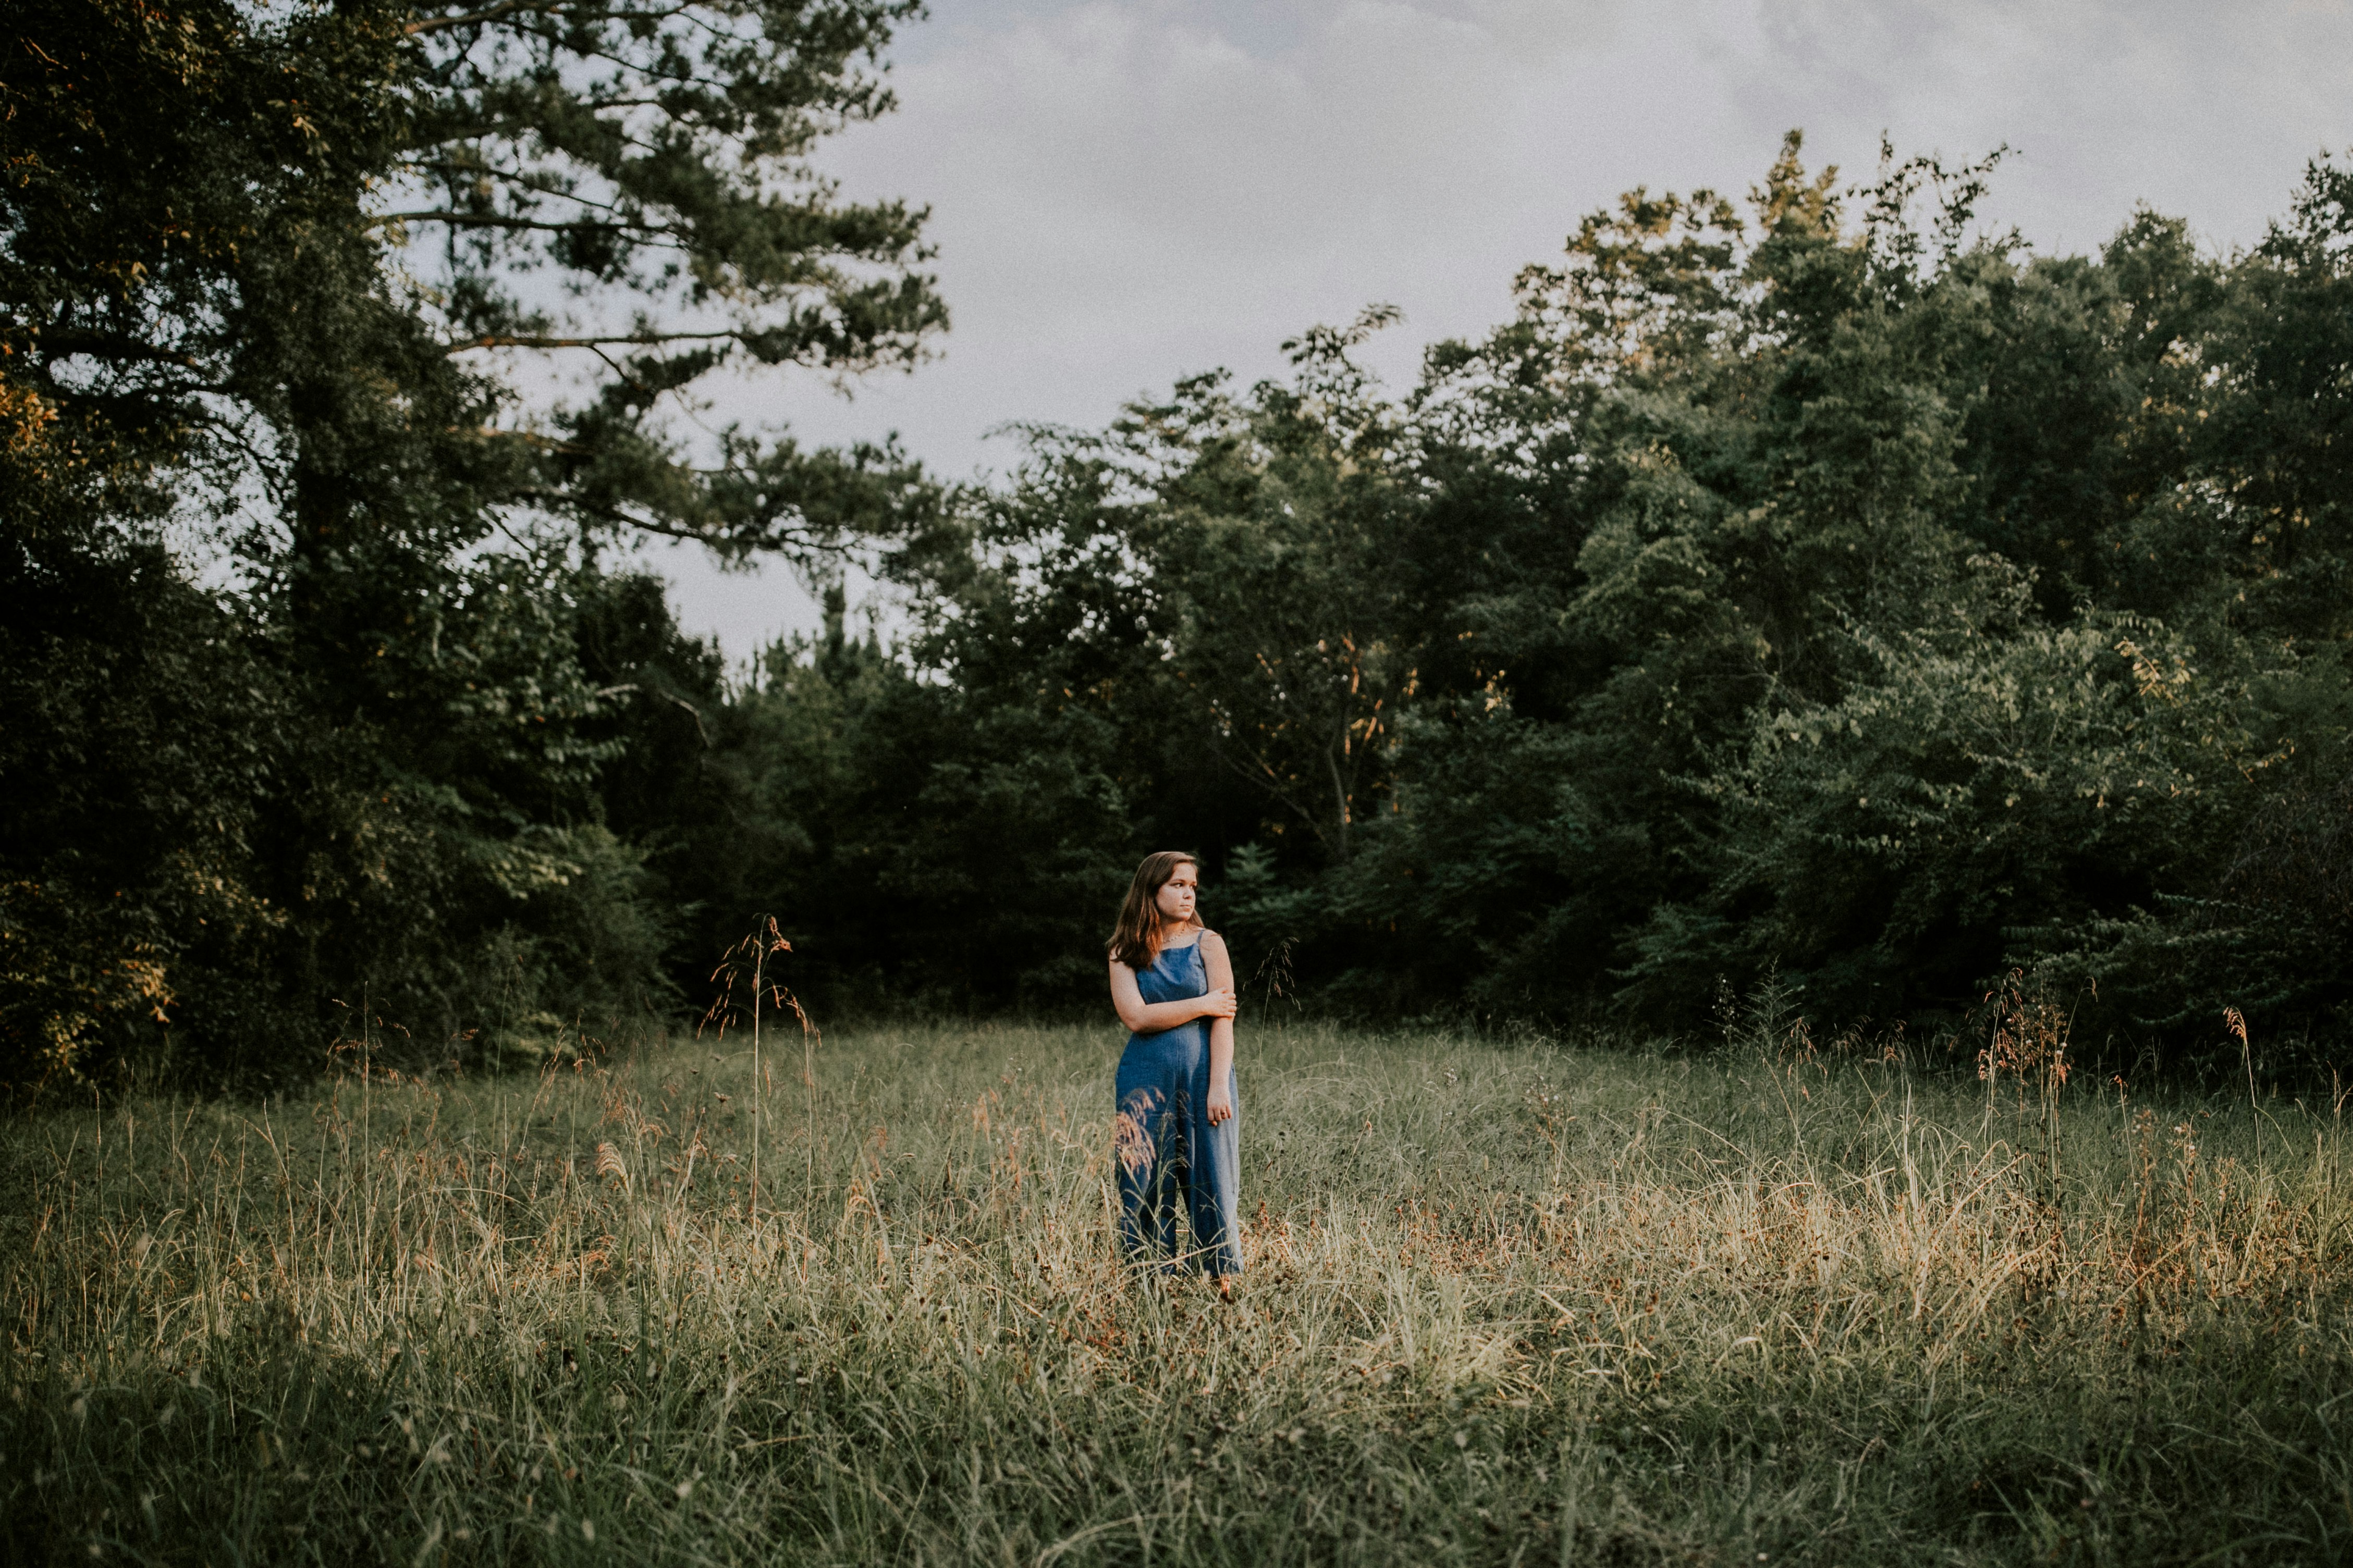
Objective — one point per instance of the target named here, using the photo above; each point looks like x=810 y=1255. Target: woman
x=1173 y=985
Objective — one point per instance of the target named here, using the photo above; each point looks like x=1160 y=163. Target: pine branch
x=528 y=341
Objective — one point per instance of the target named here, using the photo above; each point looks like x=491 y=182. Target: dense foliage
x=1815 y=586
x=321 y=706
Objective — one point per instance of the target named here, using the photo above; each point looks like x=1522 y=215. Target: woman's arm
x=1143 y=1017
x=1221 y=965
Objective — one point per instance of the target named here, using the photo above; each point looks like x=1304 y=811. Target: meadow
x=1515 y=1301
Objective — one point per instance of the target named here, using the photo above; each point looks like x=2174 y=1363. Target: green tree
x=923 y=846
x=647 y=166
x=222 y=317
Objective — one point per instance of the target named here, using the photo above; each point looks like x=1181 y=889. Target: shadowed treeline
x=1811 y=586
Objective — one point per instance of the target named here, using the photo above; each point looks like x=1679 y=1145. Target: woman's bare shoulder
x=1212 y=941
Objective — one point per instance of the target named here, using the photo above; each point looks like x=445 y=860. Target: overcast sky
x=1126 y=191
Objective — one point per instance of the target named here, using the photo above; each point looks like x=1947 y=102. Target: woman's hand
x=1219 y=970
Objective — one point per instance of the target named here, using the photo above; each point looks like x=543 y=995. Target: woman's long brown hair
x=1135 y=940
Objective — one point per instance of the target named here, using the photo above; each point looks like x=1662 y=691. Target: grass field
x=1510 y=1303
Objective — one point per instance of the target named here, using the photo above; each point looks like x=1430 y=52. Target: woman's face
x=1174 y=901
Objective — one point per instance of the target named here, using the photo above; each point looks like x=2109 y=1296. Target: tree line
x=1813 y=587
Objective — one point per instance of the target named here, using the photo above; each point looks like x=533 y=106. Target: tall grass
x=1519 y=1304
